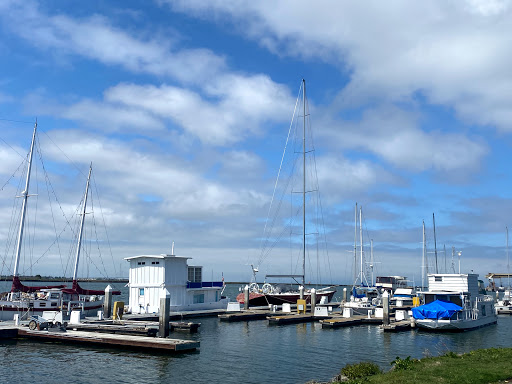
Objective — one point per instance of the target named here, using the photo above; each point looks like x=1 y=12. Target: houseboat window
x=439 y=278
x=199 y=298
x=53 y=304
x=54 y=296
x=141 y=263
x=42 y=304
x=141 y=291
x=195 y=274
x=155 y=262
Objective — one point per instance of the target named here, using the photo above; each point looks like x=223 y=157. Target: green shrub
x=403 y=364
x=360 y=370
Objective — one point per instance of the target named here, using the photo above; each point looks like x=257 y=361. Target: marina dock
x=244 y=316
x=338 y=321
x=291 y=319
x=163 y=345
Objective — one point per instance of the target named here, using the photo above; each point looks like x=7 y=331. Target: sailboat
x=504 y=305
x=34 y=300
x=277 y=294
x=364 y=295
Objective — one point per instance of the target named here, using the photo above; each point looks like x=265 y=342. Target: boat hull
x=455 y=325
x=9 y=309
x=261 y=299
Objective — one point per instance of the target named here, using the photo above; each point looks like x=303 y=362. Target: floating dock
x=338 y=321
x=291 y=319
x=397 y=326
x=244 y=316
x=119 y=329
x=162 y=345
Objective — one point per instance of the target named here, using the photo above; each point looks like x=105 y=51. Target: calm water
x=251 y=352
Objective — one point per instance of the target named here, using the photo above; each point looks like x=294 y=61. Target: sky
x=183 y=108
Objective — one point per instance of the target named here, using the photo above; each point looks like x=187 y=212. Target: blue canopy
x=435 y=310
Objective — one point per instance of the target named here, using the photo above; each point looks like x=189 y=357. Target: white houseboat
x=150 y=275
x=453 y=303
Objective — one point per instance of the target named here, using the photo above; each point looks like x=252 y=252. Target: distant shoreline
x=65 y=279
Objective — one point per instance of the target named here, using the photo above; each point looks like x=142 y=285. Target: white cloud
x=456 y=54
x=95 y=38
x=394 y=135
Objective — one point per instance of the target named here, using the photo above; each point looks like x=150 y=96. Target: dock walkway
x=165 y=345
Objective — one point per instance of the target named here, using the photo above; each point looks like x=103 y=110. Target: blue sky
x=183 y=108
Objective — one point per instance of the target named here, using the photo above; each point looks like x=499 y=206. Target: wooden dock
x=119 y=329
x=291 y=319
x=397 y=326
x=162 y=345
x=338 y=321
x=244 y=316
x=111 y=340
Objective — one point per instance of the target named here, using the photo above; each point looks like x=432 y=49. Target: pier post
x=165 y=307
x=345 y=295
x=107 y=303
x=301 y=292
x=313 y=300
x=385 y=307
x=246 y=297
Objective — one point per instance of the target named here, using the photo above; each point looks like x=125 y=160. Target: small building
x=150 y=275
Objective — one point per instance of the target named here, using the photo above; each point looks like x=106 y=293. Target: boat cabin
x=150 y=275
x=452 y=287
x=391 y=283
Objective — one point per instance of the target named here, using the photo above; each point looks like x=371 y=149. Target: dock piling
x=385 y=307
x=165 y=304
x=246 y=297
x=313 y=300
x=107 y=304
x=301 y=292
x=345 y=295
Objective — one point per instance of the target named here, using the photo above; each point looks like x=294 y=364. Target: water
x=247 y=352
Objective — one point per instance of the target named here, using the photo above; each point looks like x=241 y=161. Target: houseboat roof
x=163 y=256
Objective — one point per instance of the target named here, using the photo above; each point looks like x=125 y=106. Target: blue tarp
x=435 y=310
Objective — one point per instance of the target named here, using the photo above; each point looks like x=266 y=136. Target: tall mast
x=355 y=245
x=304 y=184
x=372 y=262
x=424 y=267
x=24 y=195
x=435 y=240
x=361 y=238
x=82 y=219
x=508 y=264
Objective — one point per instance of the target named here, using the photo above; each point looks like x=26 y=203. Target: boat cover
x=435 y=310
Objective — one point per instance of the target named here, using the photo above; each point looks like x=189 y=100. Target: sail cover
x=435 y=310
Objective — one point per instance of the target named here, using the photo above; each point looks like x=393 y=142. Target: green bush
x=403 y=364
x=360 y=370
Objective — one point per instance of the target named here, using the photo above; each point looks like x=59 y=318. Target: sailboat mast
x=435 y=240
x=24 y=195
x=304 y=184
x=361 y=239
x=423 y=256
x=82 y=220
x=355 y=245
x=508 y=263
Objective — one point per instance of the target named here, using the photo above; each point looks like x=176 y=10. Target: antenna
x=172 y=249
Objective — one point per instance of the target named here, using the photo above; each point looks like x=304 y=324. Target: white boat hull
x=10 y=308
x=456 y=325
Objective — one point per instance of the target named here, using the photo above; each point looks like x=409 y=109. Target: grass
x=492 y=365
